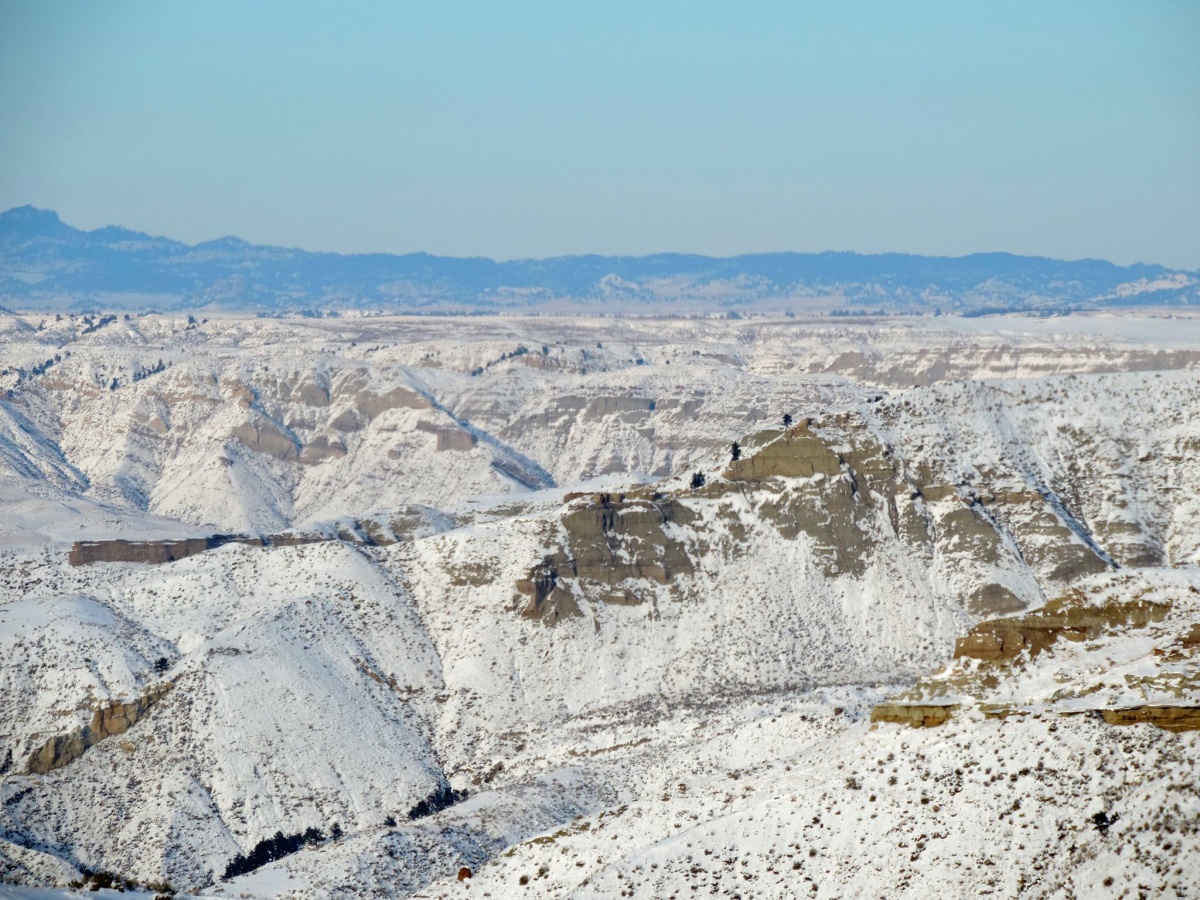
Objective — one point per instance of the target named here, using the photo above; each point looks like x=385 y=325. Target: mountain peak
x=118 y=263
x=27 y=214
x=31 y=222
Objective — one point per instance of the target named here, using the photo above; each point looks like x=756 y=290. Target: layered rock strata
x=108 y=720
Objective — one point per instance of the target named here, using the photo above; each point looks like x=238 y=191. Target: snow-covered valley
x=502 y=599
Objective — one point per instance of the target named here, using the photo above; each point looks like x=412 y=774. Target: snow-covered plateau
x=375 y=606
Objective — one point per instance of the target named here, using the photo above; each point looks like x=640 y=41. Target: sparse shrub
x=107 y=881
x=104 y=881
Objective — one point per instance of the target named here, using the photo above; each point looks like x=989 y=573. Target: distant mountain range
x=46 y=264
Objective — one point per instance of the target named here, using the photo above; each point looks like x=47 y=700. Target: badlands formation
x=486 y=606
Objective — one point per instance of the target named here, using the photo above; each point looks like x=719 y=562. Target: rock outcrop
x=612 y=543
x=1136 y=665
x=110 y=719
x=449 y=438
x=1070 y=618
x=916 y=715
x=1171 y=718
x=404 y=523
x=838 y=484
x=117 y=550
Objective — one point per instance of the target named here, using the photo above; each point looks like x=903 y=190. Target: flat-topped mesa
x=835 y=483
x=118 y=550
x=366 y=531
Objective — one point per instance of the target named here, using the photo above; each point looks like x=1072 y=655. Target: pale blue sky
x=531 y=129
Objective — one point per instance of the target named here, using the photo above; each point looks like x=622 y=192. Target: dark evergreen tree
x=787 y=420
x=736 y=451
x=273 y=848
x=441 y=798
x=698 y=479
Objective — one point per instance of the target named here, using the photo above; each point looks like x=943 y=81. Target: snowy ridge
x=47 y=264
x=643 y=685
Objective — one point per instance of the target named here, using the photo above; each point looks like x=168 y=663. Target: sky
x=1067 y=129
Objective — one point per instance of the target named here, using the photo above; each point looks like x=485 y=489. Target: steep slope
x=778 y=797
x=244 y=446
x=291 y=705
x=260 y=425
x=1040 y=808
x=648 y=656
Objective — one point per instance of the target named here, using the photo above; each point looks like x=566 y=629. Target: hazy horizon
x=831 y=251
x=531 y=132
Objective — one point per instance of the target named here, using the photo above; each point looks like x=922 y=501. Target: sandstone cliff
x=1118 y=647
x=108 y=720
x=836 y=483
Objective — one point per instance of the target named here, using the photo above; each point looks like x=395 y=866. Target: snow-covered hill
x=544 y=650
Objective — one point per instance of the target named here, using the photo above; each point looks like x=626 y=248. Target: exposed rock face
x=346 y=422
x=914 y=714
x=845 y=481
x=321 y=449
x=797 y=453
x=449 y=438
x=612 y=542
x=295 y=539
x=404 y=522
x=837 y=483
x=547 y=600
x=311 y=395
x=925 y=367
x=1138 y=665
x=1067 y=617
x=263 y=437
x=1172 y=718
x=1183 y=648
x=372 y=405
x=108 y=720
x=85 y=552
